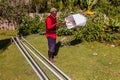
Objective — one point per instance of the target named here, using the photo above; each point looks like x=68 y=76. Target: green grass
x=13 y=65
x=83 y=61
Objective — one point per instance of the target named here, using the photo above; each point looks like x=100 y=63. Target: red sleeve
x=49 y=24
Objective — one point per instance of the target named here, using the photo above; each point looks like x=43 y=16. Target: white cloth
x=75 y=20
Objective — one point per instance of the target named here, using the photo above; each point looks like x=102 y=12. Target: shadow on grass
x=58 y=44
x=75 y=42
x=4 y=44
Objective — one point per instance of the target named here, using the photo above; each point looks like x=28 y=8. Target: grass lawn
x=83 y=61
x=13 y=65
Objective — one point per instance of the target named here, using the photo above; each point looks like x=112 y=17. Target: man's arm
x=49 y=24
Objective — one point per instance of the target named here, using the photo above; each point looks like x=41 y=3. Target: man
x=51 y=24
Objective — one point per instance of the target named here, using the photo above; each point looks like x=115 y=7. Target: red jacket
x=50 y=28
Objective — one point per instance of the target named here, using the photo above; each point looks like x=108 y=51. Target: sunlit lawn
x=13 y=65
x=83 y=61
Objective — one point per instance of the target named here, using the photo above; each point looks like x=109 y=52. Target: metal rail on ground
x=61 y=72
x=36 y=65
x=33 y=67
x=58 y=76
x=41 y=73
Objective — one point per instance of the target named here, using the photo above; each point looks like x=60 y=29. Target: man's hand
x=63 y=22
x=60 y=23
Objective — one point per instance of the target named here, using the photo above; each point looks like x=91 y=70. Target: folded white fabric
x=75 y=20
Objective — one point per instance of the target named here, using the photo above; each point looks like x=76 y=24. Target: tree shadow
x=4 y=44
x=59 y=44
x=75 y=42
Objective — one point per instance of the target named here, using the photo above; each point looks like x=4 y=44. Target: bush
x=64 y=31
x=31 y=26
x=115 y=2
x=108 y=7
x=95 y=30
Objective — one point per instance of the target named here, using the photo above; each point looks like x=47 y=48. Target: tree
x=12 y=12
x=39 y=5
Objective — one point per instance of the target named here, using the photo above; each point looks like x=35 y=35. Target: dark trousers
x=51 y=44
x=51 y=47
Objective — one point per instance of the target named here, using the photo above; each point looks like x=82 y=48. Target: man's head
x=53 y=11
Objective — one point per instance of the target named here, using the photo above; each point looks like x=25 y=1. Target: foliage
x=64 y=32
x=104 y=25
x=112 y=24
x=38 y=5
x=115 y=2
x=12 y=12
x=31 y=25
x=90 y=3
x=108 y=8
x=95 y=30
